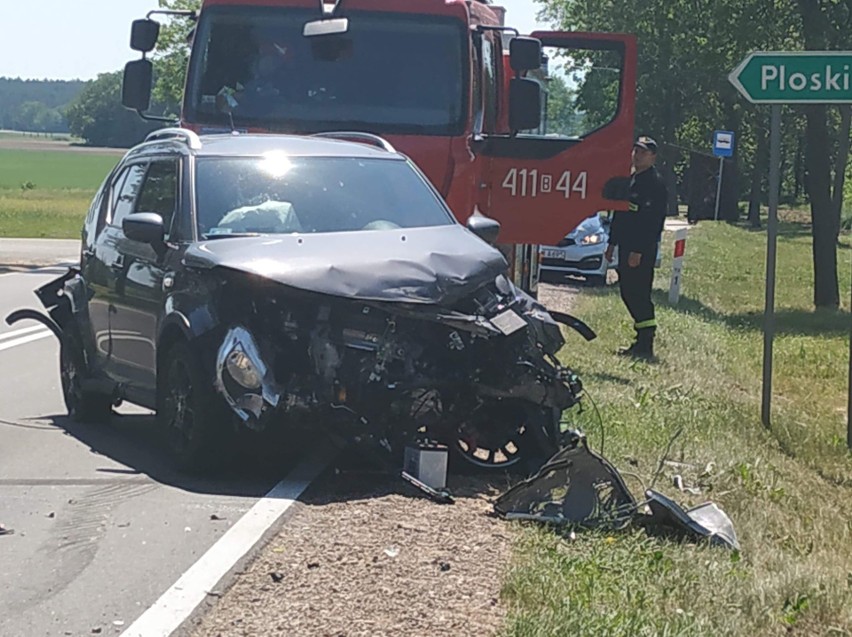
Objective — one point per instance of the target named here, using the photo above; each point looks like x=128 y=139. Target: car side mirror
x=485 y=228
x=524 y=104
x=524 y=54
x=145 y=227
x=144 y=34
x=137 y=84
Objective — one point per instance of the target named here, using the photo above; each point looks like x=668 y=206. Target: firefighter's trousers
x=636 y=284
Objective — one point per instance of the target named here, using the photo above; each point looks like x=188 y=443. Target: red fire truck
x=533 y=131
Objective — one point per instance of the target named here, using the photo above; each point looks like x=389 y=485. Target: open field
x=786 y=490
x=46 y=193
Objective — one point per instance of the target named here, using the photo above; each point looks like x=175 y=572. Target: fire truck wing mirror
x=524 y=104
x=136 y=86
x=485 y=228
x=617 y=188
x=333 y=26
x=144 y=34
x=524 y=54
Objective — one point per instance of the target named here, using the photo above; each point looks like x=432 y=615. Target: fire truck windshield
x=391 y=73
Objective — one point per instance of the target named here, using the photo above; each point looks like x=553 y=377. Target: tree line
x=36 y=105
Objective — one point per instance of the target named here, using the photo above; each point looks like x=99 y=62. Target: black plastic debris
x=705 y=521
x=441 y=496
x=6 y=531
x=575 y=487
x=580 y=488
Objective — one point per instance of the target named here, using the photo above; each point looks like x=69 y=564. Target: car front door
x=142 y=281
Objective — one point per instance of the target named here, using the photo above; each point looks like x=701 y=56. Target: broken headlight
x=242 y=370
x=242 y=376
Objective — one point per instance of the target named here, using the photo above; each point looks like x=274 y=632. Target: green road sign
x=795 y=77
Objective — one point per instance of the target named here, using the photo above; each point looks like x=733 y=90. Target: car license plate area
x=549 y=253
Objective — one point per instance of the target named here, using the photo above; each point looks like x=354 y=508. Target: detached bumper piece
x=579 y=488
x=575 y=487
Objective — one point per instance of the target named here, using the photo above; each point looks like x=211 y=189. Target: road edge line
x=182 y=599
x=23 y=340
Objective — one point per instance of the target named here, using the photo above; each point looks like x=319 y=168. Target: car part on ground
x=578 y=488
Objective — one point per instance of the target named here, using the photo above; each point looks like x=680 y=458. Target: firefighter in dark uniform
x=636 y=233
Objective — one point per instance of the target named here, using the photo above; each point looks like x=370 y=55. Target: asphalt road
x=19 y=254
x=102 y=524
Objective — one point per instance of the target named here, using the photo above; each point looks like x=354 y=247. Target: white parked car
x=580 y=253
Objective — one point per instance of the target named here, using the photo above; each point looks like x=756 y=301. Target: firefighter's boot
x=643 y=346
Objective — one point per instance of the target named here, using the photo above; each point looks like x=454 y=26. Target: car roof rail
x=360 y=136
x=190 y=137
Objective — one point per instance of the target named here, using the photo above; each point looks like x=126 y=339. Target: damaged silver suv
x=259 y=282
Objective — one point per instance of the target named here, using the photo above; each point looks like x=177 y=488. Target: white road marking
x=48 y=268
x=177 y=604
x=25 y=339
x=5 y=336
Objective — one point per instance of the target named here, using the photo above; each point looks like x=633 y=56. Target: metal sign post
x=789 y=77
x=723 y=146
x=771 y=251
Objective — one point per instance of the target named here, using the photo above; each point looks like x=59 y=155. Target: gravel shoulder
x=376 y=559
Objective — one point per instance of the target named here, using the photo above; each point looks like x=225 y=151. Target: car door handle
x=118 y=264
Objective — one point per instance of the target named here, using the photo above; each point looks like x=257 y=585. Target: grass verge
x=786 y=489
x=45 y=194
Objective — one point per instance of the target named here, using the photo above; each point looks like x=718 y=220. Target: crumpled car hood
x=421 y=265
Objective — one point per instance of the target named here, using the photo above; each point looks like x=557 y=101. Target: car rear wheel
x=191 y=413
x=83 y=405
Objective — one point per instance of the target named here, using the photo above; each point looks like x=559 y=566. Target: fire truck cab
x=533 y=131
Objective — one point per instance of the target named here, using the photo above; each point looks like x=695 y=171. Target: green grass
x=786 y=490
x=47 y=193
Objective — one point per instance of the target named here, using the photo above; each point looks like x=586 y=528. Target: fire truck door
x=542 y=183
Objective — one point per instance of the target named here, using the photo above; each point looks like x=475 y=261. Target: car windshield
x=278 y=79
x=279 y=194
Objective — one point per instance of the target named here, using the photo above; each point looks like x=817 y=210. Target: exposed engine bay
x=480 y=374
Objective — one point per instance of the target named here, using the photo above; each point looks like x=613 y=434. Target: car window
x=277 y=194
x=125 y=197
x=92 y=223
x=159 y=192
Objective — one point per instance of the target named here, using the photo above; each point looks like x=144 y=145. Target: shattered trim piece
x=575 y=487
x=703 y=521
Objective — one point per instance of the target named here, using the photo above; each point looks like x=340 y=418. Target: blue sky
x=69 y=39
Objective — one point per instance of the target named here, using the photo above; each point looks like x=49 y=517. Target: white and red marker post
x=677 y=266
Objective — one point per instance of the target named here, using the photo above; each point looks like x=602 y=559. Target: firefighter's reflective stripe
x=644 y=325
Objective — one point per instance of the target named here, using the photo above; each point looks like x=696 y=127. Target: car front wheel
x=191 y=413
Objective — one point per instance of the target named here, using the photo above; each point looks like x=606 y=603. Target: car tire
x=83 y=405
x=531 y=446
x=193 y=417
